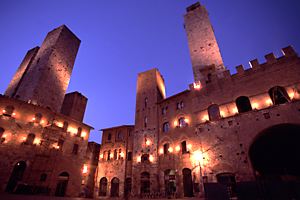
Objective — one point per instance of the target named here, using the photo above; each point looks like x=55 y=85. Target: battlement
x=193 y=7
x=254 y=65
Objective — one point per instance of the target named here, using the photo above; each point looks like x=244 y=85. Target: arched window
x=30 y=138
x=182 y=122
x=243 y=104
x=213 y=112
x=103 y=187
x=108 y=155
x=145 y=183
x=278 y=95
x=114 y=189
x=166 y=148
x=166 y=127
x=120 y=154
x=115 y=154
x=145 y=158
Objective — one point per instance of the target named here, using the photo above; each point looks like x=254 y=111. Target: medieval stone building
x=43 y=139
x=225 y=129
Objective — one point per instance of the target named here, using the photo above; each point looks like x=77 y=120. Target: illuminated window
x=243 y=104
x=129 y=156
x=182 y=122
x=30 y=138
x=166 y=148
x=213 y=112
x=278 y=95
x=166 y=127
x=145 y=158
x=75 y=149
x=184 y=147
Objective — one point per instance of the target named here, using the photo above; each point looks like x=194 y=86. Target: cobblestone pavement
x=30 y=197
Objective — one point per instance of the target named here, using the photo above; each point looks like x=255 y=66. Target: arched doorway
x=187 y=182
x=275 y=159
x=145 y=183
x=114 y=190
x=62 y=184
x=103 y=187
x=170 y=182
x=16 y=176
x=127 y=187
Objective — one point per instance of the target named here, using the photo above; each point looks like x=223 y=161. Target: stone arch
x=114 y=187
x=103 y=186
x=274 y=152
x=62 y=184
x=16 y=176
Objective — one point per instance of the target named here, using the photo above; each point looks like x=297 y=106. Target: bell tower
x=204 y=50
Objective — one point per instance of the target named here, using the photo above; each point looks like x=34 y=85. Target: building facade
x=224 y=129
x=43 y=138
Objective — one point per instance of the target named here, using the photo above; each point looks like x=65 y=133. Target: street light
x=198 y=157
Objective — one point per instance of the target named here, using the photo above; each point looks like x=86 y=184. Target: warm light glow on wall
x=175 y=123
x=269 y=102
x=37 y=141
x=148 y=142
x=42 y=121
x=83 y=134
x=222 y=113
x=4 y=136
x=55 y=146
x=161 y=151
x=197 y=157
x=170 y=149
x=151 y=158
x=138 y=159
x=177 y=148
x=13 y=114
x=197 y=85
x=254 y=105
x=235 y=111
x=186 y=120
x=205 y=118
x=291 y=95
x=33 y=119
x=122 y=154
x=189 y=146
x=59 y=124
x=85 y=169
x=101 y=156
x=23 y=139
x=4 y=111
x=72 y=130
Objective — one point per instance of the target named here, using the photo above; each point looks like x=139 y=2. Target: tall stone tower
x=204 y=50
x=150 y=90
x=44 y=80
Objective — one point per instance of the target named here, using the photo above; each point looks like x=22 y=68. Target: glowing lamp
x=189 y=146
x=122 y=154
x=138 y=159
x=43 y=121
x=177 y=148
x=23 y=139
x=37 y=141
x=148 y=142
x=161 y=151
x=151 y=158
x=4 y=111
x=101 y=156
x=205 y=118
x=33 y=119
x=13 y=114
x=235 y=110
x=85 y=169
x=83 y=134
x=197 y=156
x=197 y=85
x=291 y=95
x=170 y=149
x=59 y=124
x=222 y=113
x=175 y=123
x=186 y=120
x=255 y=105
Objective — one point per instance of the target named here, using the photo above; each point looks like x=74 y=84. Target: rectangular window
x=129 y=156
x=75 y=149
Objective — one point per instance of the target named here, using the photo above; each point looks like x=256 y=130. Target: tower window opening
x=278 y=95
x=243 y=104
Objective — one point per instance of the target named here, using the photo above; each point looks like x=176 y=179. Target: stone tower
x=204 y=50
x=74 y=105
x=150 y=91
x=45 y=74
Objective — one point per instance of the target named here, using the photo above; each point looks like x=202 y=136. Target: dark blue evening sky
x=122 y=38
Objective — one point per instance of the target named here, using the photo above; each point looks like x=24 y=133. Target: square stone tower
x=46 y=77
x=204 y=50
x=150 y=91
